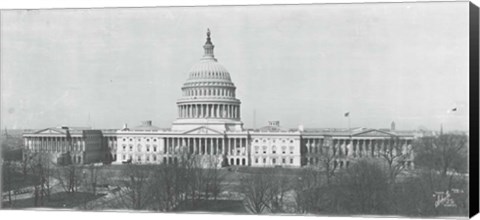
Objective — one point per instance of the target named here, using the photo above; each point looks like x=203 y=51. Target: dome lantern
x=208 y=47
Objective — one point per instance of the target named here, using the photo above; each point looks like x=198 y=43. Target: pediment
x=374 y=133
x=50 y=131
x=203 y=130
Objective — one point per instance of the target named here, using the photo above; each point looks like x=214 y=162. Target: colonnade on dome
x=228 y=111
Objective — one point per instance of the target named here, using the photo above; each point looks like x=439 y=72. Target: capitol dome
x=208 y=70
x=208 y=96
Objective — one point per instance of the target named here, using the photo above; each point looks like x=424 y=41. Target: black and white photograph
x=354 y=109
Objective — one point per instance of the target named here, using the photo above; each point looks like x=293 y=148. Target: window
x=139 y=148
x=284 y=149
x=154 y=157
x=148 y=148
x=291 y=141
x=291 y=160
x=264 y=149
x=291 y=150
x=154 y=148
x=131 y=139
x=283 y=160
x=148 y=140
x=123 y=157
x=148 y=158
x=124 y=147
x=264 y=160
x=139 y=158
x=273 y=161
x=256 y=149
x=124 y=139
x=274 y=149
x=256 y=160
x=131 y=147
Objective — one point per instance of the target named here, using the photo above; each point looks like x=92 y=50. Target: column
x=197 y=110
x=191 y=111
x=203 y=145
x=243 y=142
x=227 y=146
x=211 y=111
x=203 y=111
x=236 y=146
x=210 y=146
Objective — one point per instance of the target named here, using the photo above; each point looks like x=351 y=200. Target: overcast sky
x=301 y=65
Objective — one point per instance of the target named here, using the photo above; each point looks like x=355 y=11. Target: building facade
x=209 y=128
x=65 y=145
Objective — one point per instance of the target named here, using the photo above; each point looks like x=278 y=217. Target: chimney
x=274 y=123
x=147 y=123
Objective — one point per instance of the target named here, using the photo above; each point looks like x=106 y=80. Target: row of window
x=139 y=139
x=274 y=149
x=139 y=148
x=273 y=140
x=57 y=148
x=273 y=160
x=209 y=92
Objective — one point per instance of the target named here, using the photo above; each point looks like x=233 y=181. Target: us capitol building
x=209 y=127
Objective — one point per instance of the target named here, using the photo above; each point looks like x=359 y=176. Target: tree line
x=369 y=186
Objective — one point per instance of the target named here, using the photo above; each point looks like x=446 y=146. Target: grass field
x=57 y=200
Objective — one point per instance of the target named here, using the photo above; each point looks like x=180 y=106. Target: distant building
x=209 y=127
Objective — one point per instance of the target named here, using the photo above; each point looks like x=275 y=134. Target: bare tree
x=70 y=177
x=256 y=190
x=306 y=189
x=40 y=167
x=394 y=158
x=135 y=185
x=327 y=160
x=362 y=188
x=443 y=153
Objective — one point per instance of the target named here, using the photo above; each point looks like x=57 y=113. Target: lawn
x=17 y=181
x=57 y=200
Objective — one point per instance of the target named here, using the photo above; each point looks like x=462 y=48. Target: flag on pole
x=347 y=114
x=452 y=110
